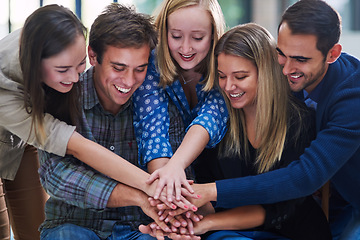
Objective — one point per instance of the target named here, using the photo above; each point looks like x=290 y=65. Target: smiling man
x=328 y=81
x=85 y=204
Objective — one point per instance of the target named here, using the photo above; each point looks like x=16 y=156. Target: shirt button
x=112 y=148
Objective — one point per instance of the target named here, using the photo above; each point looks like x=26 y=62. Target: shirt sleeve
x=68 y=179
x=213 y=116
x=336 y=144
x=16 y=120
x=151 y=118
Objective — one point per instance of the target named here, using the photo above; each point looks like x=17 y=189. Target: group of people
x=179 y=130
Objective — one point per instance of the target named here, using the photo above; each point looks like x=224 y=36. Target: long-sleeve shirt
x=16 y=129
x=151 y=118
x=300 y=218
x=78 y=193
x=334 y=154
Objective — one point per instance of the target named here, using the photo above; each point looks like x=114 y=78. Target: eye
x=63 y=71
x=301 y=60
x=198 y=38
x=221 y=76
x=175 y=36
x=140 y=70
x=240 y=77
x=118 y=69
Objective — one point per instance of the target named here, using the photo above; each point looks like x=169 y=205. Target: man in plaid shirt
x=85 y=204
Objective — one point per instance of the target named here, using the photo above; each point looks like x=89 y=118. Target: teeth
x=123 y=90
x=296 y=76
x=187 y=56
x=67 y=83
x=237 y=95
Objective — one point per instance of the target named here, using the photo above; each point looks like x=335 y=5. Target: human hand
x=205 y=193
x=172 y=176
x=153 y=230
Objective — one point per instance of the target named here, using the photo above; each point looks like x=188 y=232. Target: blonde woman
x=182 y=74
x=268 y=129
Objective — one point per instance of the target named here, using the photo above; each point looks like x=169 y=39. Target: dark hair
x=46 y=32
x=314 y=17
x=121 y=26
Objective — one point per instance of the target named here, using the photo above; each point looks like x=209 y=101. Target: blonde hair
x=256 y=44
x=167 y=66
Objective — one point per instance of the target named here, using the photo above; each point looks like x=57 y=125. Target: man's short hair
x=123 y=27
x=317 y=18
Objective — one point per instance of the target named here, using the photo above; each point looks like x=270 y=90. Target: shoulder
x=9 y=57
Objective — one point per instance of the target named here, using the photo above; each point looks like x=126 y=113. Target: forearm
x=233 y=219
x=156 y=164
x=111 y=164
x=123 y=196
x=67 y=179
x=192 y=145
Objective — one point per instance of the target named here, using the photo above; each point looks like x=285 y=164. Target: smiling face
x=238 y=79
x=121 y=72
x=189 y=35
x=62 y=70
x=303 y=64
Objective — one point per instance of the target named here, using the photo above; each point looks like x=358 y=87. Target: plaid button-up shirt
x=78 y=193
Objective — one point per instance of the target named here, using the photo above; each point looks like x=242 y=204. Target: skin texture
x=62 y=70
x=189 y=42
x=303 y=64
x=121 y=72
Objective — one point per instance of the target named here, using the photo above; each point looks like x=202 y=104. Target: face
x=121 y=72
x=62 y=70
x=238 y=79
x=189 y=35
x=303 y=64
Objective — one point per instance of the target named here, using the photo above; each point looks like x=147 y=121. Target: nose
x=129 y=78
x=287 y=67
x=73 y=76
x=186 y=45
x=228 y=85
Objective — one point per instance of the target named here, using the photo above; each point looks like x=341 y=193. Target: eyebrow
x=293 y=57
x=84 y=59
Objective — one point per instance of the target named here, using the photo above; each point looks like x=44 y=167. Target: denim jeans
x=244 y=235
x=352 y=229
x=71 y=231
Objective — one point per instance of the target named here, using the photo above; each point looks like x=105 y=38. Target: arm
x=67 y=179
x=233 y=219
x=151 y=117
x=111 y=165
x=207 y=129
x=334 y=151
x=123 y=196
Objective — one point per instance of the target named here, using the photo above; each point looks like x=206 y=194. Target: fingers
x=153 y=177
x=169 y=190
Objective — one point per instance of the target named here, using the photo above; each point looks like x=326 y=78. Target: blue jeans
x=70 y=231
x=352 y=229
x=244 y=235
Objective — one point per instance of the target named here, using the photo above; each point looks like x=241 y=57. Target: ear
x=334 y=53
x=92 y=56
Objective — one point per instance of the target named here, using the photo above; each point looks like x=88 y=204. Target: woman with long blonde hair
x=182 y=74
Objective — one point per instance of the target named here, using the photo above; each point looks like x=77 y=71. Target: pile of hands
x=177 y=210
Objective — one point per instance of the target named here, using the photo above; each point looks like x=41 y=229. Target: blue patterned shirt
x=78 y=193
x=151 y=118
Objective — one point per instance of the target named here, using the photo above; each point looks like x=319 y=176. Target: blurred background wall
x=264 y=12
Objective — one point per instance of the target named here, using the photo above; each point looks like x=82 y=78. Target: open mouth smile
x=122 y=90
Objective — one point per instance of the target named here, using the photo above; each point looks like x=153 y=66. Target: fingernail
x=185 y=206
x=194 y=208
x=198 y=196
x=173 y=206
